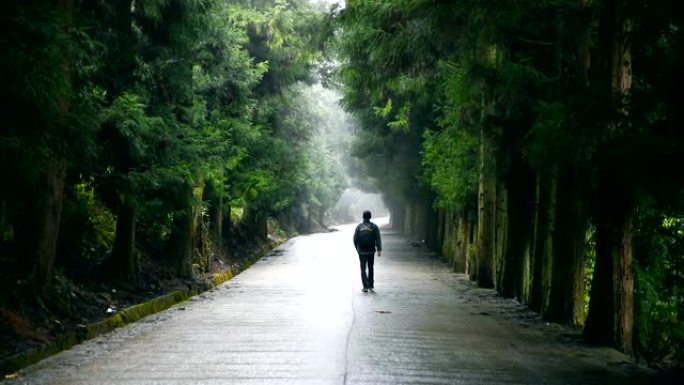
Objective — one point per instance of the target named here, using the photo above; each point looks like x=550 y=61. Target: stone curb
x=124 y=317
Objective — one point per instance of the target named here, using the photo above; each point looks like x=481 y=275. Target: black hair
x=366 y=214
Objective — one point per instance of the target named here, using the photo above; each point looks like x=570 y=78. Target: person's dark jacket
x=378 y=241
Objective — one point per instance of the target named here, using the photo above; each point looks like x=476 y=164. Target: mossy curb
x=124 y=317
x=68 y=340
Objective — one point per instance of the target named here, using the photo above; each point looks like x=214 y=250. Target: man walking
x=367 y=241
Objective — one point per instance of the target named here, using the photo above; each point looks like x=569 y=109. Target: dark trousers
x=367 y=259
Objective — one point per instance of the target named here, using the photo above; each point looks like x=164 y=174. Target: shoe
x=365 y=290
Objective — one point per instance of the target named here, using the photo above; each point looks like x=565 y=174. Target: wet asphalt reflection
x=299 y=316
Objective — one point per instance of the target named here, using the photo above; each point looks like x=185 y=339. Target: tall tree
x=613 y=286
x=47 y=124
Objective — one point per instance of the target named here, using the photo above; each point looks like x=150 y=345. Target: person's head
x=366 y=215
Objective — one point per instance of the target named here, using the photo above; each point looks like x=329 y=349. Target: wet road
x=299 y=317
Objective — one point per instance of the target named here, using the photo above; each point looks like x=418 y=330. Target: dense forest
x=152 y=139
x=536 y=145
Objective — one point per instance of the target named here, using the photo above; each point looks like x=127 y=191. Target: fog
x=325 y=5
x=353 y=203
x=336 y=129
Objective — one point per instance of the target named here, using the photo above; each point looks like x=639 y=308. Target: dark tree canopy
x=533 y=144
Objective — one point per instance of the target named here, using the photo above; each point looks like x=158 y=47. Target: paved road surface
x=299 y=317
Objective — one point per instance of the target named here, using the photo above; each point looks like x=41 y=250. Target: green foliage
x=237 y=214
x=553 y=137
x=91 y=227
x=450 y=155
x=147 y=103
x=426 y=79
x=659 y=283
x=590 y=265
x=387 y=72
x=132 y=127
x=451 y=167
x=48 y=101
x=307 y=174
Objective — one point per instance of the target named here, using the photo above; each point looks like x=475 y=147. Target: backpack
x=366 y=237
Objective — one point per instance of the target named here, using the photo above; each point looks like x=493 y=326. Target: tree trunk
x=408 y=219
x=450 y=241
x=450 y=238
x=182 y=235
x=525 y=267
x=525 y=277
x=44 y=233
x=486 y=237
x=566 y=304
x=519 y=221
x=599 y=325
x=42 y=249
x=501 y=231
x=124 y=263
x=509 y=263
x=431 y=226
x=611 y=308
x=623 y=282
x=462 y=243
x=541 y=226
x=321 y=216
x=549 y=244
x=441 y=234
x=216 y=221
x=397 y=216
x=257 y=224
x=201 y=242
x=419 y=226
x=215 y=211
x=563 y=275
x=472 y=257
